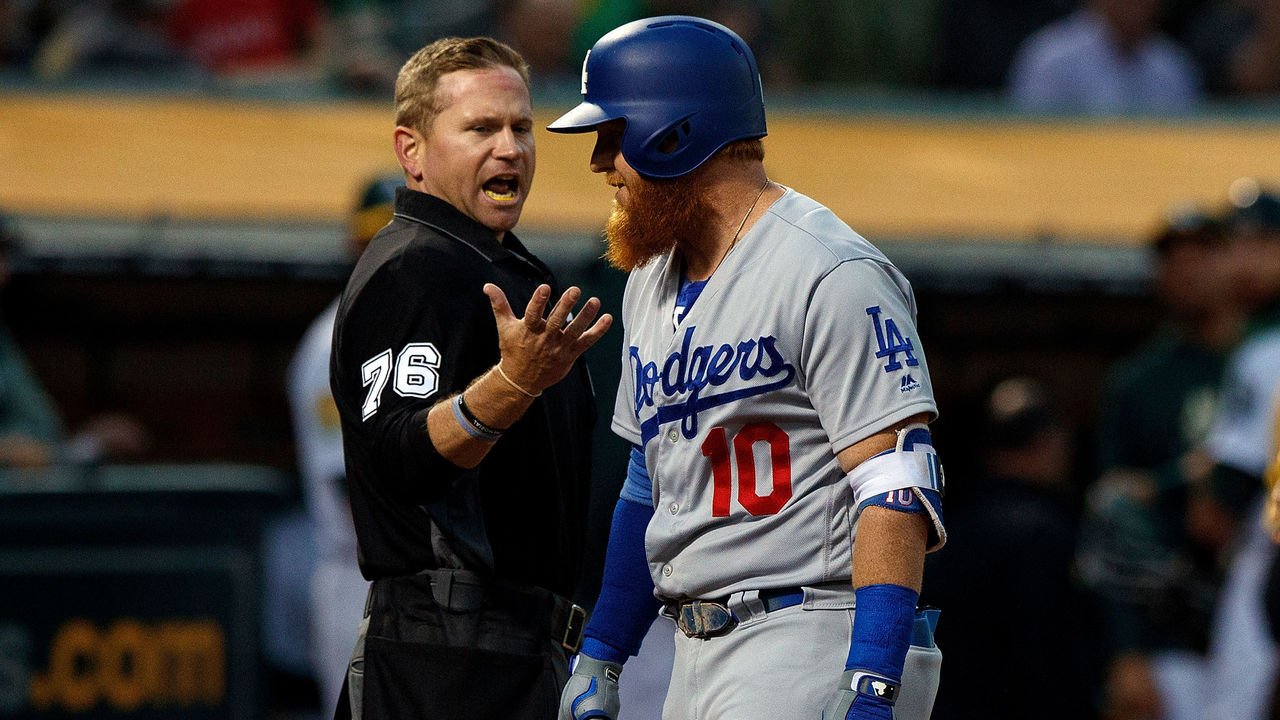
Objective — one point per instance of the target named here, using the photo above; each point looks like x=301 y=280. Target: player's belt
x=711 y=618
x=466 y=591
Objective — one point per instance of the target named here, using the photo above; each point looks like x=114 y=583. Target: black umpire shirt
x=414 y=327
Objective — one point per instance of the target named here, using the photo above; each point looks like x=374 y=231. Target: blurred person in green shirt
x=1157 y=582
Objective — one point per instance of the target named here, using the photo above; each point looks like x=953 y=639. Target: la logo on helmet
x=584 y=72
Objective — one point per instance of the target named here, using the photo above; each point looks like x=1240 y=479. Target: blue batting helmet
x=685 y=86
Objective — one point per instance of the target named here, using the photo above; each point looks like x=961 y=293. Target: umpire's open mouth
x=502 y=188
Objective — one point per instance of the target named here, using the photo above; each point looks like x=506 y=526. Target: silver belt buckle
x=704 y=618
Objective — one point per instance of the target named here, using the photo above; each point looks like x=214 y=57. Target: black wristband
x=474 y=426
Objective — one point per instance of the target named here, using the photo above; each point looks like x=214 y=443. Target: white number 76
x=415 y=372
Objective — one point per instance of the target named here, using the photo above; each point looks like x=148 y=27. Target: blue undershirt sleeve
x=626 y=607
x=637 y=488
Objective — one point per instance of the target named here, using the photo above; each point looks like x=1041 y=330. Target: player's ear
x=409 y=146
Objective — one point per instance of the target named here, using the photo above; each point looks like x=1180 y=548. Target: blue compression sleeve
x=882 y=624
x=637 y=488
x=626 y=607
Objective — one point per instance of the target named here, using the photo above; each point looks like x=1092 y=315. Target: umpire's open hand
x=537 y=350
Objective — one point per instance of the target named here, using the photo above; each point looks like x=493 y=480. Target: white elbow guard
x=912 y=465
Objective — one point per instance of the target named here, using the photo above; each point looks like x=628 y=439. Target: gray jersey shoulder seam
x=837 y=260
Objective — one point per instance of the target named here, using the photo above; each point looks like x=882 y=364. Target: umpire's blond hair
x=417 y=103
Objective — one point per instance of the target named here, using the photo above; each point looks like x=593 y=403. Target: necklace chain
x=737 y=233
x=742 y=224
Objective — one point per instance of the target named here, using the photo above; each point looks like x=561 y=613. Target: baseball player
x=776 y=395
x=1242 y=445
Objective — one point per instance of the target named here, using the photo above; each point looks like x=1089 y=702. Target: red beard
x=660 y=215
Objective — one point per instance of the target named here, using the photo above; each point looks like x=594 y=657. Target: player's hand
x=1131 y=691
x=848 y=704
x=1208 y=522
x=21 y=451
x=540 y=348
x=592 y=691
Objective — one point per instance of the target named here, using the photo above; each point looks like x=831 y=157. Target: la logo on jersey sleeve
x=890 y=344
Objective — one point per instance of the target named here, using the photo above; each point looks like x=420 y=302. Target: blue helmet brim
x=583 y=118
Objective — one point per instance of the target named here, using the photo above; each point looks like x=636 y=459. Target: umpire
x=466 y=427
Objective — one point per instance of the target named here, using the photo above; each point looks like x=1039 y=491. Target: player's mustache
x=613 y=177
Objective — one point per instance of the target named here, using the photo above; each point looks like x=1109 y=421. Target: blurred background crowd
x=1109 y=419
x=1144 y=560
x=1046 y=53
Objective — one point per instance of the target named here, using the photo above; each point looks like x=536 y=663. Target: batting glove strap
x=592 y=690
x=871 y=685
x=862 y=695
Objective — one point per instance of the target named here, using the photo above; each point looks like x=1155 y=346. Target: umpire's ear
x=409 y=146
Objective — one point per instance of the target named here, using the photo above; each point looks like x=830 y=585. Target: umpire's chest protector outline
x=742 y=407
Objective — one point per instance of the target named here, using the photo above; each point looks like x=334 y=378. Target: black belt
x=710 y=618
x=466 y=591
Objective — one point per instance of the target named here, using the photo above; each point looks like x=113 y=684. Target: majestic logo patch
x=908 y=383
x=891 y=342
x=692 y=369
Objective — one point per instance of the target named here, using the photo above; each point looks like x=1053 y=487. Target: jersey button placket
x=666 y=570
x=674 y=508
x=673 y=435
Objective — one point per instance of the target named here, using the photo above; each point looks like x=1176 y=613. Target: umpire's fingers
x=536 y=307
x=498 y=302
x=594 y=333
x=560 y=313
x=583 y=318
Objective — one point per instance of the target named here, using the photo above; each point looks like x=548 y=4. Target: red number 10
x=716 y=447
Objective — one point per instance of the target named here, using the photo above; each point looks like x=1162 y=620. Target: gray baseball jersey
x=802 y=343
x=1244 y=437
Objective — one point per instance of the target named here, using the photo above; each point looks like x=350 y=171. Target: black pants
x=474 y=650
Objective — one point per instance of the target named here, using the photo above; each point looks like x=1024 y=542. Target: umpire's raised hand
x=537 y=351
